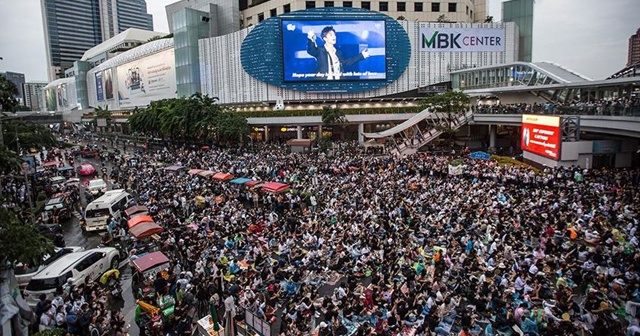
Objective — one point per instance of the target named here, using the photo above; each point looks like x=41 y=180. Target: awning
x=50 y=164
x=173 y=168
x=275 y=187
x=66 y=168
x=205 y=173
x=194 y=171
x=136 y=209
x=240 y=180
x=150 y=260
x=223 y=176
x=139 y=219
x=252 y=184
x=146 y=229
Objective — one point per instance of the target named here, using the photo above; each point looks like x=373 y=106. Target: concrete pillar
x=319 y=132
x=299 y=132
x=266 y=133
x=493 y=132
x=360 y=133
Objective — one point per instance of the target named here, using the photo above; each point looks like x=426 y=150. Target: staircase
x=410 y=146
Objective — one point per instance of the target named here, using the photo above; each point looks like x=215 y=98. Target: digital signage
x=333 y=50
x=462 y=39
x=99 y=87
x=107 y=83
x=147 y=79
x=541 y=135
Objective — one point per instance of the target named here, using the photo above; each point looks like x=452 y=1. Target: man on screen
x=330 y=59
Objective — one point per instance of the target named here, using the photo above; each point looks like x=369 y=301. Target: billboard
x=107 y=84
x=541 y=135
x=50 y=99
x=462 y=39
x=99 y=86
x=333 y=50
x=147 y=79
x=62 y=97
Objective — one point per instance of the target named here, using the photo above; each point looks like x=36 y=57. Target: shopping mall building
x=279 y=74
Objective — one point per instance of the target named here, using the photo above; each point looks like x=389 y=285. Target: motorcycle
x=115 y=289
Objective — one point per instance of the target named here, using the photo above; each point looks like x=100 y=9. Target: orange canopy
x=194 y=171
x=223 y=176
x=144 y=230
x=139 y=219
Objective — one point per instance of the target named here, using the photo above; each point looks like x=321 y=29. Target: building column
x=299 y=132
x=266 y=133
x=360 y=133
x=319 y=132
x=493 y=132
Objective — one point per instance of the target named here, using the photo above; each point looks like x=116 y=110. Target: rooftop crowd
x=395 y=246
x=604 y=107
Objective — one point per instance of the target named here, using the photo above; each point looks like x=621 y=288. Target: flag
x=214 y=315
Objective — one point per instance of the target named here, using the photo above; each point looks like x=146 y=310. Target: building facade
x=65 y=43
x=521 y=13
x=468 y=11
x=18 y=80
x=34 y=95
x=222 y=16
x=633 y=56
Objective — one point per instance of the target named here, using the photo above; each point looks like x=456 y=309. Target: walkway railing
x=626 y=110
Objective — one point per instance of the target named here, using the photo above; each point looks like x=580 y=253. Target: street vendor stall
x=194 y=171
x=148 y=265
x=240 y=180
x=174 y=169
x=139 y=219
x=253 y=184
x=136 y=210
x=145 y=229
x=205 y=173
x=275 y=187
x=223 y=176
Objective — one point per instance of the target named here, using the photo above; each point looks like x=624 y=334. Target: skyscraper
x=521 y=12
x=634 y=49
x=72 y=27
x=18 y=80
x=33 y=94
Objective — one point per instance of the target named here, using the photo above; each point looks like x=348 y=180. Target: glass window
x=260 y=17
x=310 y=4
x=328 y=3
x=347 y=4
x=48 y=284
x=453 y=7
x=273 y=12
x=366 y=5
x=402 y=6
x=467 y=10
x=435 y=7
x=286 y=8
x=96 y=213
x=384 y=6
x=417 y=7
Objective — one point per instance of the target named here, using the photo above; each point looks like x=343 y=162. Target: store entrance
x=604 y=160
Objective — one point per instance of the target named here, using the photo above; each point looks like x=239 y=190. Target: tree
x=21 y=241
x=451 y=103
x=103 y=113
x=229 y=126
x=9 y=161
x=489 y=19
x=8 y=93
x=26 y=135
x=333 y=116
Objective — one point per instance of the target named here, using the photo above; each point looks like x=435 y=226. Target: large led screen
x=541 y=135
x=333 y=50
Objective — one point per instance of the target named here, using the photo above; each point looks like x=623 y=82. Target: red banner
x=541 y=135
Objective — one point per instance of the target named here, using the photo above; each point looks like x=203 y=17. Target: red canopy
x=194 y=171
x=252 y=184
x=275 y=187
x=50 y=164
x=136 y=209
x=146 y=229
x=150 y=260
x=139 y=219
x=206 y=173
x=223 y=176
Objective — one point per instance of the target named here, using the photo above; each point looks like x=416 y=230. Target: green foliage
x=21 y=241
x=448 y=101
x=333 y=116
x=8 y=91
x=197 y=118
x=511 y=162
x=324 y=144
x=9 y=161
x=456 y=162
x=27 y=135
x=443 y=18
x=51 y=332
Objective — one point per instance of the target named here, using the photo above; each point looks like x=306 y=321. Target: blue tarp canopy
x=240 y=180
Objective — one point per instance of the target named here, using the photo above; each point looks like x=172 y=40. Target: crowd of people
x=604 y=107
x=394 y=246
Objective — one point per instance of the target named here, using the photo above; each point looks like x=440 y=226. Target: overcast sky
x=587 y=36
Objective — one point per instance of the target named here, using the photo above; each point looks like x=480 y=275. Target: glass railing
x=625 y=110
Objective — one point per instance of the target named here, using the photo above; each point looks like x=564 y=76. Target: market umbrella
x=107 y=274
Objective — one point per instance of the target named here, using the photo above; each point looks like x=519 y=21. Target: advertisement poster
x=107 y=83
x=50 y=97
x=541 y=135
x=148 y=79
x=99 y=87
x=62 y=98
x=462 y=39
x=330 y=50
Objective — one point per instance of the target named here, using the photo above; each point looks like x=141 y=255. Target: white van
x=112 y=203
x=77 y=266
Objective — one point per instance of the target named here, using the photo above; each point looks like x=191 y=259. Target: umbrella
x=86 y=169
x=107 y=274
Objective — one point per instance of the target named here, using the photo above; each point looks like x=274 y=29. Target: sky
x=586 y=36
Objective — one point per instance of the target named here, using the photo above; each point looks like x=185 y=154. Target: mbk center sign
x=462 y=39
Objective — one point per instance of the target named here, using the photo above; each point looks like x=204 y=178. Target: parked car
x=60 y=203
x=77 y=266
x=57 y=183
x=97 y=186
x=25 y=272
